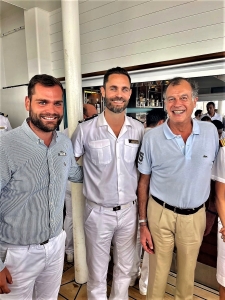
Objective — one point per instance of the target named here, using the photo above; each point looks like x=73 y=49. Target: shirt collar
x=26 y=128
x=102 y=121
x=170 y=135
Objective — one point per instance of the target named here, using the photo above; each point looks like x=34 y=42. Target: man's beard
x=115 y=109
x=37 y=121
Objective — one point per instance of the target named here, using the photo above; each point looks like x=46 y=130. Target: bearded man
x=109 y=145
x=35 y=161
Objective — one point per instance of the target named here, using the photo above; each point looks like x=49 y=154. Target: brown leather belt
x=177 y=210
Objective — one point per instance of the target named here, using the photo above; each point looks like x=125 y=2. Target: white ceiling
x=48 y=5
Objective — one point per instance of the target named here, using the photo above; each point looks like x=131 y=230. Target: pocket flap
x=99 y=144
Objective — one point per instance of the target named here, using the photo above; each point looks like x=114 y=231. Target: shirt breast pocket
x=100 y=152
x=130 y=151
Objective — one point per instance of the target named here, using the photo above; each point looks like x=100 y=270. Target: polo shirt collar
x=170 y=135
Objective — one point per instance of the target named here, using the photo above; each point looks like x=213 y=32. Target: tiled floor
x=70 y=290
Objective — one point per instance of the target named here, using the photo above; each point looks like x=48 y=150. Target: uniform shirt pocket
x=100 y=152
x=130 y=150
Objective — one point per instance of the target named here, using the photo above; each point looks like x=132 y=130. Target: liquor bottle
x=152 y=101
x=97 y=105
x=156 y=100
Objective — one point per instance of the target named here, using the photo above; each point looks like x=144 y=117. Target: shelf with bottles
x=149 y=94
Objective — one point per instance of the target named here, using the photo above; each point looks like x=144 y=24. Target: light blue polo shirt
x=180 y=173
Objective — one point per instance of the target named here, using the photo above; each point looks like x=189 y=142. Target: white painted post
x=72 y=59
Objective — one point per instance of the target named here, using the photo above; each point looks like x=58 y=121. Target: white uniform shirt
x=215 y=117
x=110 y=173
x=4 y=124
x=218 y=170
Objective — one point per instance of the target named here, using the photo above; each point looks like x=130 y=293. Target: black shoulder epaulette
x=222 y=143
x=136 y=119
x=87 y=119
x=2 y=114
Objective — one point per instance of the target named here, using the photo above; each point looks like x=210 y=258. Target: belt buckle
x=116 y=208
x=45 y=242
x=175 y=208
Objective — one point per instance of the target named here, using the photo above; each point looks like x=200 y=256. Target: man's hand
x=5 y=277
x=222 y=231
x=146 y=239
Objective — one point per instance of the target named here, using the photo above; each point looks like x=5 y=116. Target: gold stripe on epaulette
x=222 y=143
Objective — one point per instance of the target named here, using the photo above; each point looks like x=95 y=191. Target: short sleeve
x=144 y=159
x=218 y=170
x=77 y=142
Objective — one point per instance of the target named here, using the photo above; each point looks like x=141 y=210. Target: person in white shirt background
x=198 y=114
x=210 y=106
x=4 y=124
x=219 y=126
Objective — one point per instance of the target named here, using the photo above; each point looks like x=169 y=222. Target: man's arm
x=220 y=204
x=143 y=192
x=76 y=172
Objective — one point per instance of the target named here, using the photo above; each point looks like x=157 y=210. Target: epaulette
x=136 y=119
x=222 y=143
x=2 y=114
x=87 y=119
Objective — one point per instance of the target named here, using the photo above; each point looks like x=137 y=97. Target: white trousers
x=68 y=225
x=36 y=270
x=136 y=268
x=101 y=228
x=143 y=282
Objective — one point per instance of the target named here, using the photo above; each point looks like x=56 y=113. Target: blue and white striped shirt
x=33 y=181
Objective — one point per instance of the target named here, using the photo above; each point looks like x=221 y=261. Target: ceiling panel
x=48 y=5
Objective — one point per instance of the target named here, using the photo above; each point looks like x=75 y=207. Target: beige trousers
x=169 y=229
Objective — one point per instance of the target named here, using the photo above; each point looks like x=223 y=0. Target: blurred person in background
x=4 y=124
x=211 y=112
x=198 y=114
x=219 y=126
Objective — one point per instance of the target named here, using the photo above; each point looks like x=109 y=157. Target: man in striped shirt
x=35 y=163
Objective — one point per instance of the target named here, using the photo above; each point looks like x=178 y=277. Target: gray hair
x=177 y=81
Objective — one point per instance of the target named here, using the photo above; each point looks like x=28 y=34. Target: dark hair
x=206 y=118
x=218 y=124
x=210 y=103
x=154 y=116
x=43 y=79
x=198 y=112
x=116 y=70
x=177 y=81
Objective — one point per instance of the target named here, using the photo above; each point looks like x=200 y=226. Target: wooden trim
x=172 y=62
